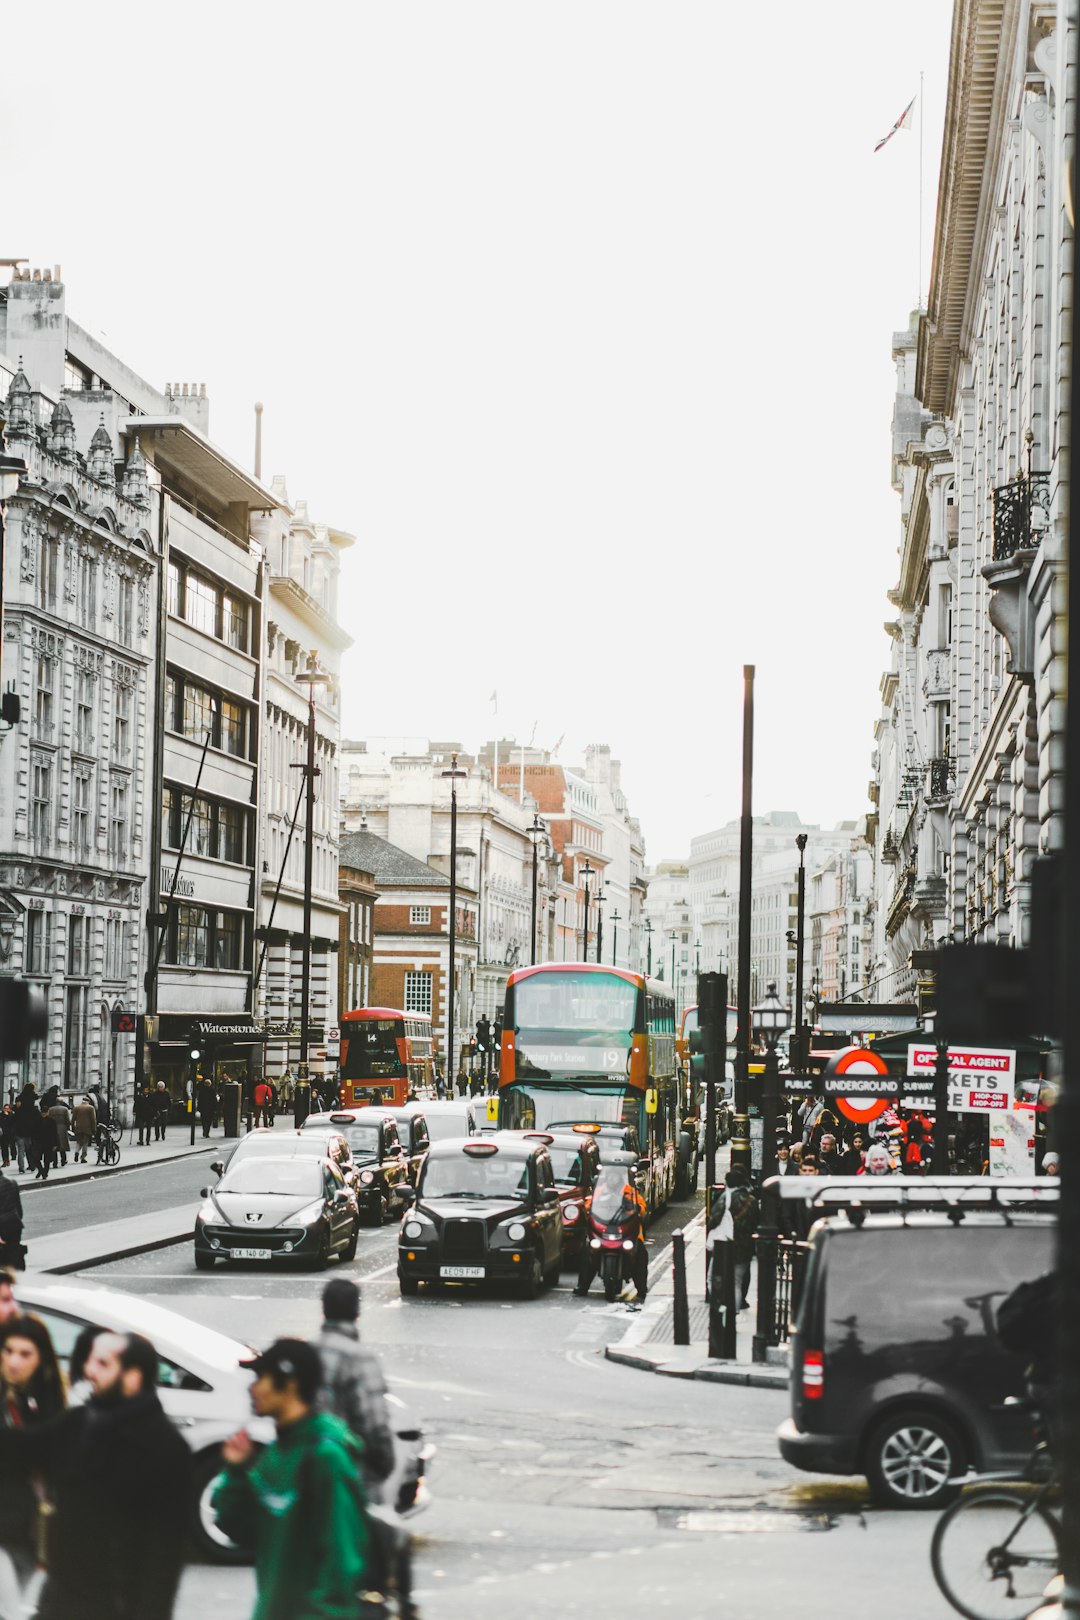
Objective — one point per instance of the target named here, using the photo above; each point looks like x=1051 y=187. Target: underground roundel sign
x=854 y=1080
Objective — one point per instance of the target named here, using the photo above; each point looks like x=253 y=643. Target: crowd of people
x=96 y=1482
x=39 y=1133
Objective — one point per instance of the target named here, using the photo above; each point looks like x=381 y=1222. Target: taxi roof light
x=540 y=1136
x=588 y=1127
x=481 y=1150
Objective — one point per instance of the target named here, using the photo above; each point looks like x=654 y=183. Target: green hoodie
x=301 y=1507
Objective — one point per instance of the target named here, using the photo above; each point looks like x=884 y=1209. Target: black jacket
x=11 y=1215
x=120 y=1476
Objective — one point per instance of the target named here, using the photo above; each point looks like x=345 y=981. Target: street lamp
x=769 y=1021
x=800 y=943
x=600 y=898
x=615 y=921
x=454 y=773
x=647 y=930
x=311 y=677
x=673 y=936
x=586 y=873
x=535 y=832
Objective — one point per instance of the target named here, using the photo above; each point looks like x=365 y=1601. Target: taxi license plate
x=250 y=1254
x=461 y=1271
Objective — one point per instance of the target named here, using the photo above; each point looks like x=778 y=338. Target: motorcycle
x=614 y=1229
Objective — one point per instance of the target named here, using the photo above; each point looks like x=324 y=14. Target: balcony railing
x=938 y=777
x=1021 y=514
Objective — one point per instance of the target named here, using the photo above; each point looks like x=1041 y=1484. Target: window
x=38 y=954
x=198 y=817
x=75 y=1036
x=175 y=590
x=230 y=841
x=170 y=702
x=84 y=712
x=118 y=822
x=125 y=610
x=228 y=940
x=232 y=727
x=81 y=809
x=41 y=801
x=200 y=711
x=43 y=699
x=121 y=722
x=48 y=564
x=201 y=603
x=170 y=804
x=192 y=929
x=234 y=622
x=420 y=916
x=418 y=992
x=78 y=952
x=87 y=589
x=115 y=948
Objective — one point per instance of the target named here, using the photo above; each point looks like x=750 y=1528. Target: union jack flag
x=903 y=122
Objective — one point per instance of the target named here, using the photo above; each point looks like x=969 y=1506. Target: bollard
x=681 y=1306
x=722 y=1304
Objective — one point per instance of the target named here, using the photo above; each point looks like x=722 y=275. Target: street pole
x=453 y=773
x=673 y=937
x=740 y=1129
x=586 y=873
x=939 y=1159
x=615 y=921
x=800 y=943
x=599 y=925
x=536 y=832
x=648 y=943
x=312 y=676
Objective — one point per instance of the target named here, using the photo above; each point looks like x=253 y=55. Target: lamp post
x=600 y=897
x=311 y=677
x=673 y=936
x=800 y=945
x=615 y=921
x=769 y=1021
x=454 y=773
x=586 y=874
x=647 y=930
x=535 y=832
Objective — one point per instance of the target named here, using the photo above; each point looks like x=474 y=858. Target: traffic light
x=194 y=1052
x=123 y=1023
x=23 y=1018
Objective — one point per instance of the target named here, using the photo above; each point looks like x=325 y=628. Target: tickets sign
x=980 y=1077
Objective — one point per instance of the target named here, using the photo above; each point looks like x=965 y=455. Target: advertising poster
x=1012 y=1141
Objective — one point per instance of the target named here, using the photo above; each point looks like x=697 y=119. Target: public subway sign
x=980 y=1077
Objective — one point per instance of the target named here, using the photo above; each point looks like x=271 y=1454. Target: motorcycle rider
x=629 y=1214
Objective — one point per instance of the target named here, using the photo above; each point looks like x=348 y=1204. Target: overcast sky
x=577 y=314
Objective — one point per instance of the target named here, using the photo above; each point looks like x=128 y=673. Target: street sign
x=980 y=1077
x=858 y=1080
x=124 y=1023
x=333 y=1041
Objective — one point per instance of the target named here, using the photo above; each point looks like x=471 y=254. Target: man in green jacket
x=299 y=1504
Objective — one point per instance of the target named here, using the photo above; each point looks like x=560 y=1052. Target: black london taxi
x=382 y=1166
x=413 y=1133
x=487 y=1209
x=575 y=1160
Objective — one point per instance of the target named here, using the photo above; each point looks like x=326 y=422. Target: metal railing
x=791 y=1256
x=1021 y=513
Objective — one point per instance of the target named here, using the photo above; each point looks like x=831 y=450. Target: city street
x=550 y=1459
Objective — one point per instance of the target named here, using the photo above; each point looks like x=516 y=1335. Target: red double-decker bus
x=585 y=1043
x=385 y=1054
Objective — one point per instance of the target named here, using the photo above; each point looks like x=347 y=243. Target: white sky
x=578 y=314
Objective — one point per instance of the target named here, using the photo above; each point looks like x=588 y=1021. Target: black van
x=896 y=1371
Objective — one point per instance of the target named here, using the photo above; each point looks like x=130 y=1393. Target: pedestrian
x=206 y=1101
x=7 y=1135
x=25 y=1111
x=9 y=1305
x=733 y=1219
x=878 y=1162
x=263 y=1097
x=161 y=1103
x=784 y=1165
x=851 y=1160
x=121 y=1478
x=12 y=1252
x=84 y=1124
x=354 y=1389
x=31 y=1392
x=828 y=1155
x=100 y=1102
x=61 y=1123
x=1051 y=1165
x=298 y=1503
x=44 y=1143
x=144 y=1115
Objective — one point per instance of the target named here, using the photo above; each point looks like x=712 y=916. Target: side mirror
x=204 y=1192
x=408 y=1195
x=549 y=1195
x=643 y=1164
x=218 y=1168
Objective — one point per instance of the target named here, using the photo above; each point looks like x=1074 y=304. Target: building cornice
x=980 y=62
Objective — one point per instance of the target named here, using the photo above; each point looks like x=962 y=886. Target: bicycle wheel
x=981 y=1576
x=110 y=1152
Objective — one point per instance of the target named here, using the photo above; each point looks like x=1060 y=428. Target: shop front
x=230 y=1047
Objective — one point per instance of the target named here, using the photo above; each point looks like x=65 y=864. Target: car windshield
x=363 y=1139
x=442 y=1126
x=496 y=1175
x=289 y=1177
x=566 y=1164
x=613 y=1195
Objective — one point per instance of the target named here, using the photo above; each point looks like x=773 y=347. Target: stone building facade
x=968 y=770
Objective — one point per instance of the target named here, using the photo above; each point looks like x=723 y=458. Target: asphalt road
x=564 y=1483
x=56 y=1206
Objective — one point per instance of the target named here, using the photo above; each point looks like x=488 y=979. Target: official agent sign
x=981 y=1077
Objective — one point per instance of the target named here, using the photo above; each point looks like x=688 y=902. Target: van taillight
x=813 y=1375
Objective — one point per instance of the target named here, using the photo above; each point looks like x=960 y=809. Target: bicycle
x=994 y=1551
x=107 y=1142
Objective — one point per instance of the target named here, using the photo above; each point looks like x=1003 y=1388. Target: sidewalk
x=649 y=1343
x=111 y=1240
x=132 y=1157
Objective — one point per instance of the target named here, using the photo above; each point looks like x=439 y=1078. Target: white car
x=203 y=1389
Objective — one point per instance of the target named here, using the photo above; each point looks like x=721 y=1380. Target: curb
x=106 y=1256
x=113 y=1170
x=712 y=1372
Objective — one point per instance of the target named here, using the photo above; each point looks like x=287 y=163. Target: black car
x=896 y=1370
x=413 y=1134
x=276 y=1144
x=575 y=1160
x=487 y=1208
x=298 y=1208
x=382 y=1166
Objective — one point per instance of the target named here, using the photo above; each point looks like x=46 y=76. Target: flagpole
x=919 y=304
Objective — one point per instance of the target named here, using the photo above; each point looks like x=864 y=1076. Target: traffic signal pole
x=708 y=1049
x=740 y=1130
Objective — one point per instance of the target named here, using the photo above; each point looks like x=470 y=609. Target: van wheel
x=910 y=1458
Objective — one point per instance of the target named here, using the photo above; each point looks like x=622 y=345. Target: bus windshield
x=550 y=1107
x=372 y=1050
x=574 y=1023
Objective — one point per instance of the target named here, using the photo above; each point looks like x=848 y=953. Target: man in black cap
x=299 y=1503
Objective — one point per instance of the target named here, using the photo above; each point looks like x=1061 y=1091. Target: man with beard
x=119 y=1476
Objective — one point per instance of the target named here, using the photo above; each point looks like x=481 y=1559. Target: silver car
x=203 y=1389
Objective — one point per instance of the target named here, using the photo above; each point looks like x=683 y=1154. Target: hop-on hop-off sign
x=980 y=1077
x=858 y=1080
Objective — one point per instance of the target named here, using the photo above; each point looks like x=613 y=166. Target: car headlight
x=515 y=1231
x=570 y=1212
x=413 y=1229
x=311 y=1214
x=627 y=1244
x=367 y=1177
x=205 y=1214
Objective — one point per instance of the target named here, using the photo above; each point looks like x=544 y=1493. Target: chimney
x=258 y=439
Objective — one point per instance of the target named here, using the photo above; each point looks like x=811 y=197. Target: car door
x=341 y=1217
x=418 y=1146
x=548 y=1209
x=394 y=1163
